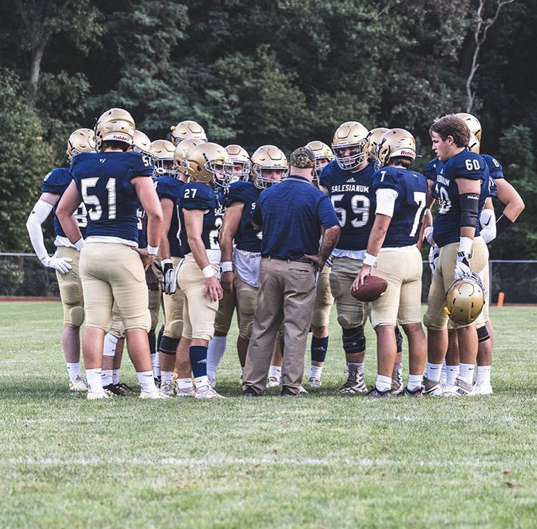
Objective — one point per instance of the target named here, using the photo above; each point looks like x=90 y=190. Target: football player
x=323 y=296
x=240 y=265
x=461 y=188
x=200 y=213
x=111 y=183
x=348 y=181
x=187 y=130
x=401 y=196
x=66 y=259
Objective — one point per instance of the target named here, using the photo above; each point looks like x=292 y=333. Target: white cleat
x=96 y=395
x=302 y=390
x=207 y=392
x=483 y=389
x=314 y=382
x=77 y=384
x=167 y=388
x=432 y=389
x=274 y=382
x=155 y=394
x=212 y=382
x=459 y=389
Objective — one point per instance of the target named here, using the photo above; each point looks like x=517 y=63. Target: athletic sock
x=94 y=380
x=433 y=372
x=215 y=352
x=452 y=372
x=184 y=383
x=201 y=381
x=166 y=376
x=466 y=373
x=383 y=383
x=106 y=377
x=73 y=369
x=319 y=346
x=198 y=360
x=483 y=375
x=414 y=382
x=146 y=381
x=443 y=376
x=316 y=371
x=115 y=376
x=275 y=372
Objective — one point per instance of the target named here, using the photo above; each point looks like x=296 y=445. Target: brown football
x=371 y=290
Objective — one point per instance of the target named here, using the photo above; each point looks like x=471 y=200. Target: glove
x=462 y=267
x=434 y=255
x=58 y=263
x=169 y=277
x=428 y=235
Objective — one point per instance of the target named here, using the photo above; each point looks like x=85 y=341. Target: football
x=371 y=290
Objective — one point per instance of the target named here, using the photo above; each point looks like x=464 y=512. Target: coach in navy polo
x=292 y=215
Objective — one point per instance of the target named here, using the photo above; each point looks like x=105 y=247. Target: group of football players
x=144 y=225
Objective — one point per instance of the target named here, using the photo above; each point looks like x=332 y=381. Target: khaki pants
x=199 y=311
x=173 y=310
x=114 y=272
x=323 y=299
x=286 y=293
x=71 y=289
x=155 y=299
x=435 y=318
x=246 y=305
x=224 y=315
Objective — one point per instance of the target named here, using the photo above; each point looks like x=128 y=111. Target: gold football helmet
x=323 y=156
x=473 y=123
x=348 y=145
x=465 y=299
x=115 y=124
x=183 y=149
x=269 y=166
x=187 y=130
x=395 y=143
x=81 y=140
x=163 y=152
x=241 y=162
x=474 y=145
x=373 y=139
x=141 y=143
x=209 y=162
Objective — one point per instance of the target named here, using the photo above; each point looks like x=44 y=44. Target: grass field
x=321 y=461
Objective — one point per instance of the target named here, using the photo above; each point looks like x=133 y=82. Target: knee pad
x=483 y=334
x=168 y=345
x=354 y=340
x=76 y=315
x=399 y=339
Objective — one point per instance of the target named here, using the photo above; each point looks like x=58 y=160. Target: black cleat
x=376 y=394
x=250 y=392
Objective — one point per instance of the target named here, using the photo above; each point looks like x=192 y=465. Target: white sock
x=110 y=343
x=94 y=380
x=483 y=375
x=115 y=376
x=414 y=382
x=443 y=376
x=452 y=372
x=73 y=369
x=201 y=381
x=433 y=372
x=383 y=383
x=215 y=352
x=316 y=371
x=184 y=383
x=275 y=371
x=166 y=376
x=106 y=377
x=146 y=381
x=466 y=373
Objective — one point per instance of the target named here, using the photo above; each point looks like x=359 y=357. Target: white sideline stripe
x=267 y=461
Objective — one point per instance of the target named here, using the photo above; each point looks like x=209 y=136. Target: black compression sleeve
x=469 y=209
x=502 y=224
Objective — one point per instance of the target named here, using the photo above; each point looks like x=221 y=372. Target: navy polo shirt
x=292 y=214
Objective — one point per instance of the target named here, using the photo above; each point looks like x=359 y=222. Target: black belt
x=299 y=260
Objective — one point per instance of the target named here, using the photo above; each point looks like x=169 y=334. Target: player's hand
x=462 y=268
x=152 y=280
x=434 y=255
x=213 y=288
x=317 y=259
x=58 y=263
x=227 y=281
x=359 y=281
x=147 y=259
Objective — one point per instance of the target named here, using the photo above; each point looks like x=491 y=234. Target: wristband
x=503 y=223
x=227 y=266
x=44 y=258
x=370 y=260
x=152 y=250
x=79 y=244
x=208 y=272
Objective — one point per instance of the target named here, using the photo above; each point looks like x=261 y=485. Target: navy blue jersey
x=292 y=214
x=56 y=183
x=103 y=180
x=169 y=187
x=196 y=195
x=354 y=201
x=447 y=222
x=411 y=201
x=246 y=193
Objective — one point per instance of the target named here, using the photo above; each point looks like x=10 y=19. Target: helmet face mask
x=209 y=163
x=163 y=153
x=241 y=163
x=182 y=152
x=269 y=166
x=323 y=156
x=465 y=299
x=222 y=172
x=349 y=145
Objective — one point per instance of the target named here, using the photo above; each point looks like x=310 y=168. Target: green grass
x=321 y=461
